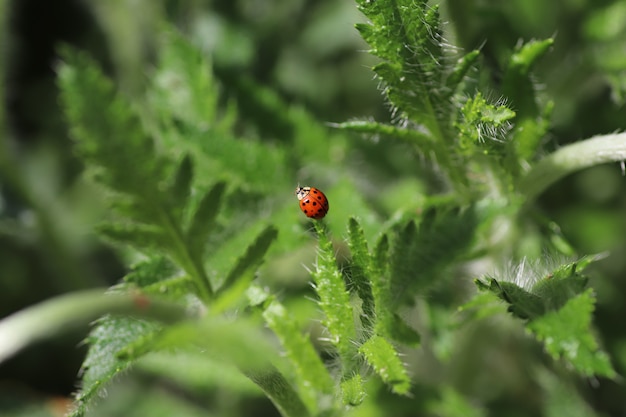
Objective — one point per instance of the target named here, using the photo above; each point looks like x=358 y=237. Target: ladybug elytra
x=313 y=202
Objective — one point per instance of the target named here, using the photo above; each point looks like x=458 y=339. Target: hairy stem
x=571 y=158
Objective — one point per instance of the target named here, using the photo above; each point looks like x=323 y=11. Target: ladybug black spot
x=315 y=203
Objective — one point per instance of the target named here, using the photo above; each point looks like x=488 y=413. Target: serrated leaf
x=312 y=377
x=109 y=134
x=484 y=124
x=184 y=86
x=384 y=359
x=251 y=259
x=562 y=284
x=522 y=304
x=334 y=300
x=110 y=336
x=139 y=236
x=419 y=257
x=203 y=219
x=361 y=268
x=566 y=334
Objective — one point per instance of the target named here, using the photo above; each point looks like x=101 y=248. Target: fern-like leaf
x=419 y=256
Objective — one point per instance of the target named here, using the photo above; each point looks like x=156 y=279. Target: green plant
x=195 y=210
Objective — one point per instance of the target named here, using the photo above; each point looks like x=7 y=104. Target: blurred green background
x=308 y=52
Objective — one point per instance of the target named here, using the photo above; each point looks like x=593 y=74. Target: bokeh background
x=309 y=53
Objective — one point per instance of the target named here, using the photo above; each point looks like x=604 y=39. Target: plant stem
x=280 y=392
x=571 y=158
x=77 y=310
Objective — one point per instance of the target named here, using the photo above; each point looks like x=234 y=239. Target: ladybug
x=313 y=202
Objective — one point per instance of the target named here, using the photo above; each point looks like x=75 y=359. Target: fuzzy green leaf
x=407 y=36
x=562 y=284
x=334 y=300
x=566 y=334
x=352 y=391
x=549 y=293
x=384 y=359
x=110 y=336
x=418 y=257
x=361 y=269
x=312 y=377
x=484 y=124
x=522 y=303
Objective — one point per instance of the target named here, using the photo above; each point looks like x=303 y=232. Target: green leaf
x=140 y=236
x=108 y=133
x=522 y=303
x=334 y=300
x=361 y=268
x=150 y=271
x=203 y=218
x=407 y=36
x=567 y=335
x=110 y=336
x=517 y=83
x=180 y=189
x=352 y=391
x=251 y=259
x=398 y=330
x=184 y=86
x=419 y=257
x=312 y=377
x=75 y=311
x=483 y=126
x=383 y=358
x=411 y=136
x=563 y=283
x=459 y=71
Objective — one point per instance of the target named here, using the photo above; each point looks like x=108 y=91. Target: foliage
x=198 y=207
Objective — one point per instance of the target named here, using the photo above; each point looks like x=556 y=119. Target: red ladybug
x=313 y=202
